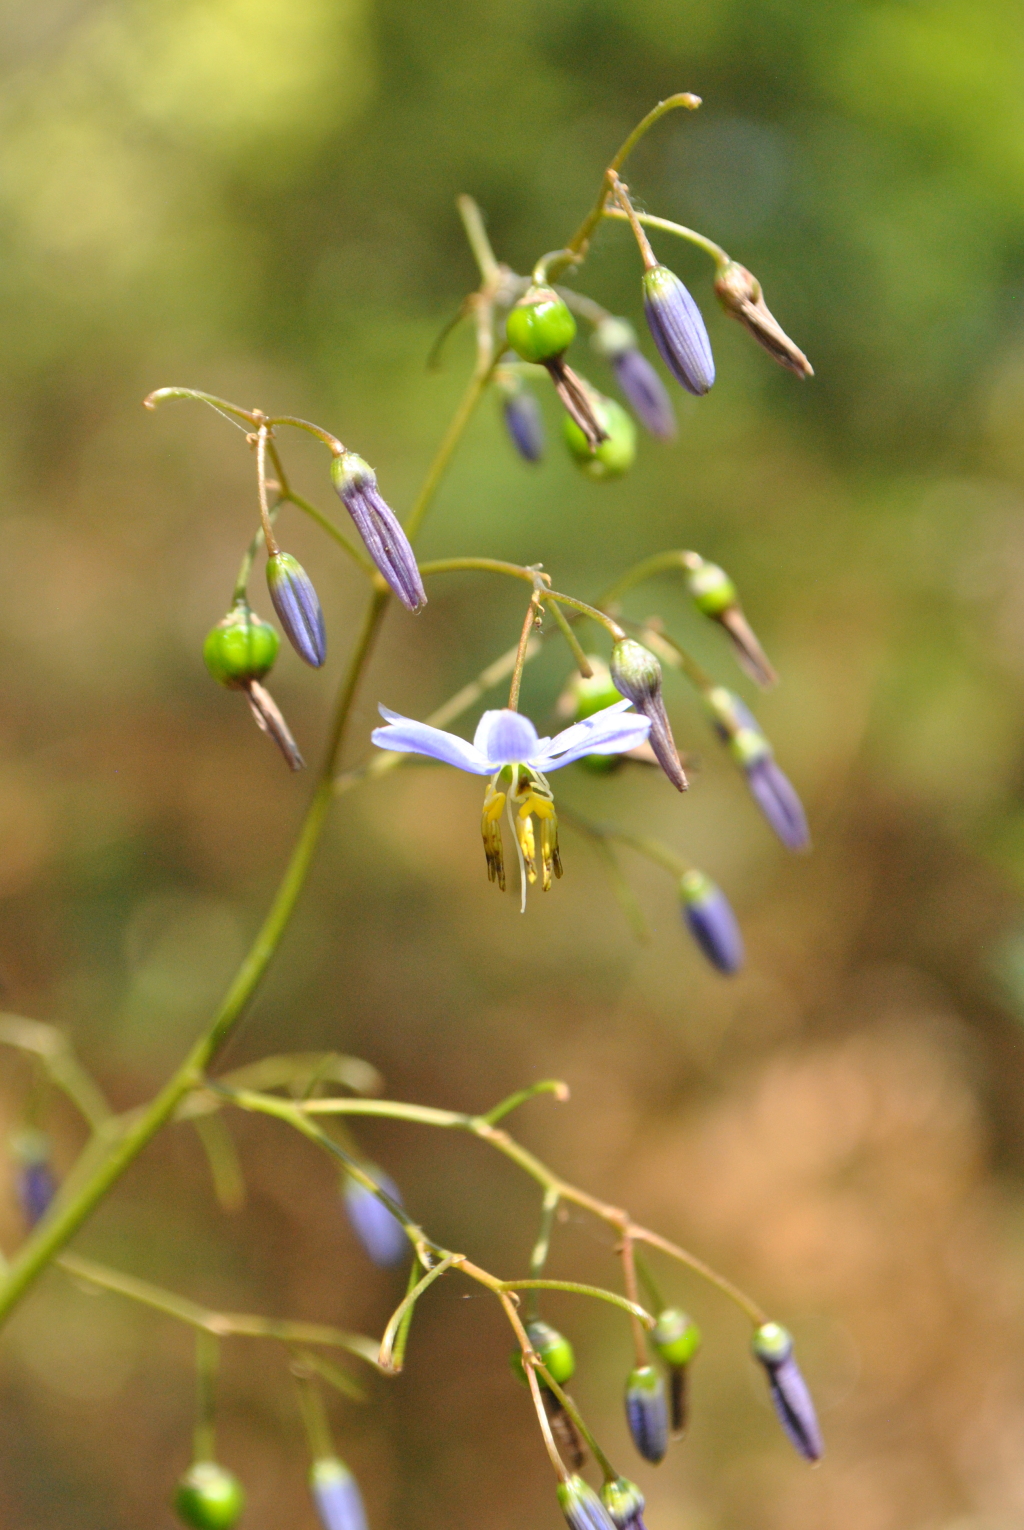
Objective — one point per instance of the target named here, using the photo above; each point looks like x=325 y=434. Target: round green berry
x=613 y=456
x=540 y=326
x=554 y=1350
x=240 y=648
x=676 y=1337
x=209 y=1497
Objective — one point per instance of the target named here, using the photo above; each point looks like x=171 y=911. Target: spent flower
x=773 y=1346
x=379 y=527
x=636 y=673
x=615 y=339
x=506 y=748
x=739 y=293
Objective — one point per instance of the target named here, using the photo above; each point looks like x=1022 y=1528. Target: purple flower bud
x=643 y=388
x=336 y=1494
x=377 y=524
x=581 y=1506
x=524 y=423
x=711 y=921
x=378 y=1230
x=647 y=1412
x=298 y=608
x=775 y=795
x=625 y=1504
x=636 y=673
x=678 y=329
x=34 y=1181
x=773 y=1346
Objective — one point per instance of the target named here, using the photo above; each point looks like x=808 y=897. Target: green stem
x=314 y=1418
x=577 y=246
x=718 y=255
x=610 y=1474
x=476 y=235
x=648 y=1282
x=60 y=1063
x=529 y=622
x=660 y=563
x=207 y=1359
x=251 y=416
x=582 y=662
x=318 y=431
x=595 y=615
x=452 y=436
x=539 y=1256
x=578 y=1289
x=553 y=1086
x=481 y=565
x=387 y=1358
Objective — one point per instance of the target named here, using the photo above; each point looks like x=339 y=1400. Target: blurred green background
x=257 y=199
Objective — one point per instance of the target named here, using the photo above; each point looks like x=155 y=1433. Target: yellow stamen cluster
x=534 y=798
x=494 y=802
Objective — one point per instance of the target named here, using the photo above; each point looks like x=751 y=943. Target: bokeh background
x=257 y=198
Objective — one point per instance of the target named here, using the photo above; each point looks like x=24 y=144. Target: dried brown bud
x=739 y=293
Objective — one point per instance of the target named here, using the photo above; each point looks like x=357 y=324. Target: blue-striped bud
x=647 y=1412
x=581 y=1506
x=711 y=921
x=377 y=524
x=643 y=389
x=209 y=1497
x=523 y=419
x=770 y=788
x=298 y=608
x=625 y=1504
x=678 y=330
x=636 y=673
x=336 y=1494
x=378 y=1229
x=34 y=1180
x=773 y=1346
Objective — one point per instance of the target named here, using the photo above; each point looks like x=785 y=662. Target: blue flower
x=378 y=1229
x=506 y=748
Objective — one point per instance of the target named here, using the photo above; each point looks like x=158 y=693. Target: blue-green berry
x=540 y=327
x=241 y=648
x=209 y=1497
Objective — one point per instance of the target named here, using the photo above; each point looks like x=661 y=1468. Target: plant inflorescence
x=614 y=710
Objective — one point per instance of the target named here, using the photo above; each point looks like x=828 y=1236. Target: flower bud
x=523 y=421
x=540 y=327
x=34 y=1181
x=773 y=1346
x=678 y=330
x=643 y=388
x=241 y=647
x=715 y=595
x=647 y=1412
x=676 y=1339
x=581 y=1506
x=637 y=674
x=377 y=524
x=740 y=295
x=770 y=788
x=336 y=1494
x=378 y=1229
x=615 y=454
x=625 y=1504
x=711 y=921
x=554 y=1349
x=209 y=1497
x=298 y=608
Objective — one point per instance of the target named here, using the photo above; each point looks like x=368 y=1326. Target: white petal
x=607 y=732
x=505 y=738
x=406 y=736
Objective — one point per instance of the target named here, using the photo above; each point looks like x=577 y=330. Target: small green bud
x=540 y=326
x=676 y=1337
x=613 y=456
x=554 y=1350
x=624 y=1502
x=712 y=589
x=241 y=648
x=209 y=1497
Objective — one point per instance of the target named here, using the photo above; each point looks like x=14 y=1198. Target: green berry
x=712 y=589
x=209 y=1497
x=240 y=648
x=676 y=1337
x=553 y=1348
x=540 y=326
x=613 y=456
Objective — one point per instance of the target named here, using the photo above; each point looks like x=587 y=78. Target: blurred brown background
x=258 y=199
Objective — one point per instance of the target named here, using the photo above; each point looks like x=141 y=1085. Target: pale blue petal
x=607 y=732
x=406 y=736
x=505 y=738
